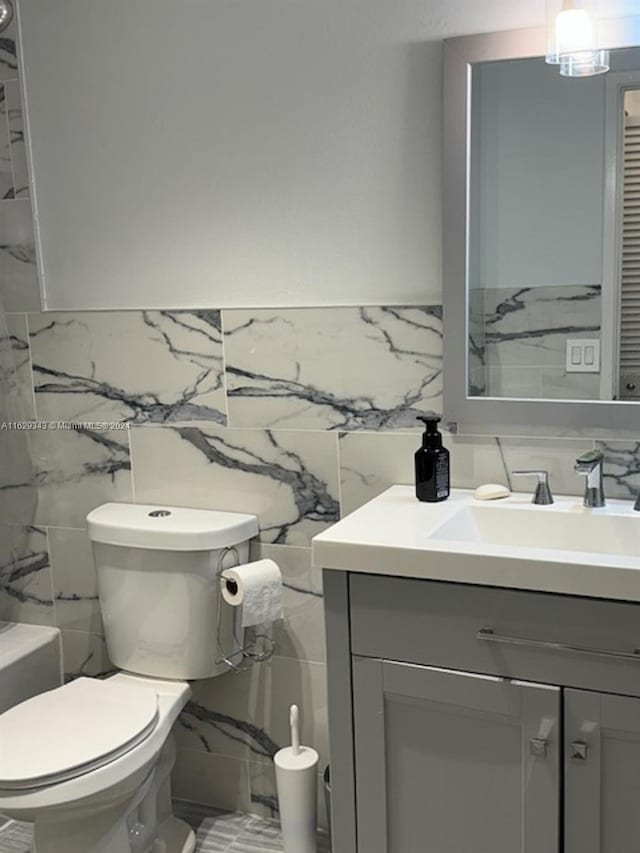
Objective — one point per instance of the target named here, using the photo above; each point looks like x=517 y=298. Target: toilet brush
x=297 y=782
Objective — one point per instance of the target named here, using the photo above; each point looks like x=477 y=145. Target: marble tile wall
x=518 y=341
x=299 y=416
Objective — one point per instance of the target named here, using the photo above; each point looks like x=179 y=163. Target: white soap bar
x=491 y=492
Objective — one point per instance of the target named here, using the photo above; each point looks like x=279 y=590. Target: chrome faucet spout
x=590 y=466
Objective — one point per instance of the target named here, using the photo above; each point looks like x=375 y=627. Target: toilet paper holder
x=249 y=653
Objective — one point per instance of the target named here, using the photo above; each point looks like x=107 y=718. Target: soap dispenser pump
x=432 y=464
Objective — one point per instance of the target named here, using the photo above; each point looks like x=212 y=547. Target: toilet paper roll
x=257 y=589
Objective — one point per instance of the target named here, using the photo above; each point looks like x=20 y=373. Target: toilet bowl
x=86 y=791
x=89 y=763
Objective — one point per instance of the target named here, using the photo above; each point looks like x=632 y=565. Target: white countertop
x=394 y=534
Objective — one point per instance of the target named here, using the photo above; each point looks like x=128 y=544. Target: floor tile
x=216 y=832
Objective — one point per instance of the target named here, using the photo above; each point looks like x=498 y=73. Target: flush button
x=159 y=513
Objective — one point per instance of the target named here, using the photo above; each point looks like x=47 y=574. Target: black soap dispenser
x=432 y=464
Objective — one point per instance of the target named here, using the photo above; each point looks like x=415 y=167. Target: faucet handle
x=542 y=495
x=590 y=459
x=590 y=465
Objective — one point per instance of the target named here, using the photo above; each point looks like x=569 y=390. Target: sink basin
x=563 y=548
x=29 y=662
x=557 y=528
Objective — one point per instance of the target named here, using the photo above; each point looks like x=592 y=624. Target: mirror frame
x=460 y=54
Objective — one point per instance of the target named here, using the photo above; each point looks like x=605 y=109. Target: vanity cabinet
x=481 y=720
x=601 y=772
x=452 y=761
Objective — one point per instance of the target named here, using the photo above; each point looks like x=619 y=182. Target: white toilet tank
x=158 y=583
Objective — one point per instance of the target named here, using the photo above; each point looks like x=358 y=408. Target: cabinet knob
x=538 y=747
x=579 y=750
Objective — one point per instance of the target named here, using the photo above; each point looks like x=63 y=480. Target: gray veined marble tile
x=135 y=366
x=26 y=593
x=216 y=780
x=301 y=633
x=333 y=368
x=288 y=479
x=84 y=654
x=19 y=285
x=6 y=167
x=523 y=327
x=75 y=585
x=246 y=715
x=18 y=489
x=8 y=52
x=77 y=470
x=371 y=462
x=15 y=369
x=491 y=460
x=17 y=139
x=621 y=468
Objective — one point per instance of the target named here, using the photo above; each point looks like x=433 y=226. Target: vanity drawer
x=555 y=639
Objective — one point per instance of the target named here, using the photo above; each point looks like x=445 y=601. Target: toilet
x=89 y=763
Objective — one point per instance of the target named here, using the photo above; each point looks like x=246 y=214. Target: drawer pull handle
x=488 y=635
x=579 y=750
x=538 y=747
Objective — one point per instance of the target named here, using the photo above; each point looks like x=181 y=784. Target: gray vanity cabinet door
x=602 y=773
x=448 y=762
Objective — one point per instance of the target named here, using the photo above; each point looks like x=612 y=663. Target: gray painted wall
x=241 y=153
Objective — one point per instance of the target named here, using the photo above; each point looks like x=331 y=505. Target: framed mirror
x=542 y=233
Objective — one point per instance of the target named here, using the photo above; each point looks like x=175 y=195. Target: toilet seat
x=77 y=728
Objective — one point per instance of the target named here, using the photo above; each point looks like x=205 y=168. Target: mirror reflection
x=554 y=232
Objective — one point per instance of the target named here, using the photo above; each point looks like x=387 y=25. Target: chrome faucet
x=542 y=495
x=590 y=466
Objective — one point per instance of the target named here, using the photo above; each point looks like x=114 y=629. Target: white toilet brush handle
x=294 y=722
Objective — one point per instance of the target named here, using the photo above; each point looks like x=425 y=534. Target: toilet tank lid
x=168 y=528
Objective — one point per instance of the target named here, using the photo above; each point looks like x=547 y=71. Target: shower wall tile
x=16 y=383
x=75 y=585
x=26 y=592
x=17 y=139
x=77 y=470
x=19 y=287
x=134 y=366
x=333 y=368
x=288 y=479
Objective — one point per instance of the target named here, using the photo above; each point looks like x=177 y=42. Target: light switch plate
x=583 y=355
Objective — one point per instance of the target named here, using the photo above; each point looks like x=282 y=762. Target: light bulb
x=6 y=14
x=574 y=32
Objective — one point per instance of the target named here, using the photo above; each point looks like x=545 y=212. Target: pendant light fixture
x=572 y=38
